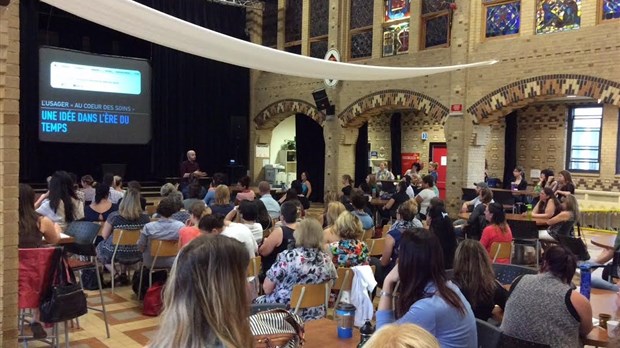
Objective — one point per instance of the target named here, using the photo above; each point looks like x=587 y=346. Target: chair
x=501 y=250
x=257 y=308
x=368 y=234
x=85 y=234
x=151 y=209
x=310 y=295
x=505 y=198
x=254 y=268
x=489 y=336
x=121 y=237
x=376 y=247
x=525 y=232
x=513 y=342
x=160 y=248
x=386 y=229
x=506 y=274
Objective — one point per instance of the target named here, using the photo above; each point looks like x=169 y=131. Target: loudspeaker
x=320 y=99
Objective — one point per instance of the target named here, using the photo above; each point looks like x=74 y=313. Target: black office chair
x=525 y=233
x=506 y=274
x=513 y=342
x=489 y=336
x=505 y=198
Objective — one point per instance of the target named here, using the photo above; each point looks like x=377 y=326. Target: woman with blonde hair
x=563 y=223
x=222 y=203
x=349 y=251
x=474 y=275
x=402 y=336
x=205 y=300
x=334 y=209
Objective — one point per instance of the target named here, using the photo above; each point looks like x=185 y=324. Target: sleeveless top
x=32 y=238
x=287 y=239
x=539 y=310
x=564 y=228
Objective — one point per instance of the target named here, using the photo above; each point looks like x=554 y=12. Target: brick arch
x=362 y=109
x=518 y=94
x=274 y=113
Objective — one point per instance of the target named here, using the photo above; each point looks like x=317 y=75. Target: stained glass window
x=503 y=19
x=436 y=22
x=292 y=31
x=360 y=26
x=397 y=9
x=436 y=33
x=319 y=16
x=396 y=39
x=557 y=15
x=318 y=49
x=270 y=23
x=611 y=9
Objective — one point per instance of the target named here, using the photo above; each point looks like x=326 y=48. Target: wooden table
x=513 y=217
x=516 y=192
x=378 y=202
x=606 y=242
x=323 y=333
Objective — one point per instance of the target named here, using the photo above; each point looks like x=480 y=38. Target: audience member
x=247 y=213
x=246 y=193
x=369 y=186
x=191 y=231
x=440 y=224
x=218 y=179
x=426 y=297
x=101 y=207
x=474 y=275
x=62 y=205
x=205 y=303
x=214 y=225
x=76 y=187
x=477 y=200
x=497 y=231
x=167 y=189
x=565 y=185
x=519 y=175
x=263 y=217
x=180 y=214
x=424 y=197
x=118 y=184
x=358 y=200
x=135 y=185
x=548 y=205
x=547 y=179
x=432 y=171
x=349 y=250
x=477 y=220
x=273 y=207
x=193 y=195
x=347 y=185
x=222 y=203
x=402 y=336
x=297 y=187
x=306 y=186
x=415 y=169
x=281 y=237
x=307 y=263
x=563 y=223
x=384 y=174
x=544 y=309
x=31 y=225
x=334 y=209
x=165 y=228
x=328 y=197
x=389 y=209
x=88 y=188
x=115 y=196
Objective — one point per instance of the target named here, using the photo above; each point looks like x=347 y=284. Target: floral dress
x=299 y=266
x=349 y=253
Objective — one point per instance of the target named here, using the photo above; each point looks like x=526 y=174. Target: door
x=310 y=153
x=439 y=154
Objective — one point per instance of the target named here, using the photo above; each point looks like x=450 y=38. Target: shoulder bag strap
x=54 y=269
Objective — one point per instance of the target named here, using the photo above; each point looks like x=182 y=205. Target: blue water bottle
x=586 y=281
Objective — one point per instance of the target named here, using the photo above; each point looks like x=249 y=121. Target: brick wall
x=9 y=170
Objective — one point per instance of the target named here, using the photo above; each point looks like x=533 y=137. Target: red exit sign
x=456 y=108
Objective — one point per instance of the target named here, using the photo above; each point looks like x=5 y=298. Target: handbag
x=153 y=300
x=277 y=328
x=64 y=299
x=575 y=244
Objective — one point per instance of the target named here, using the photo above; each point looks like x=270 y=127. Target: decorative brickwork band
x=276 y=112
x=356 y=114
x=517 y=93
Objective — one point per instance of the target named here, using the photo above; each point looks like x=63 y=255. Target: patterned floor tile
x=122 y=316
x=142 y=336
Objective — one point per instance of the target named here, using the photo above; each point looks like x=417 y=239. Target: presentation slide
x=89 y=98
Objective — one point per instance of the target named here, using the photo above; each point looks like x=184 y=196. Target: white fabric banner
x=146 y=23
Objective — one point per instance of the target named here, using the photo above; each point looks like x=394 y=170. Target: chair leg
x=140 y=283
x=105 y=314
x=112 y=275
x=66 y=336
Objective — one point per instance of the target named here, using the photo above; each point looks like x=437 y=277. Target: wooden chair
x=124 y=238
x=368 y=234
x=254 y=269
x=310 y=295
x=376 y=247
x=151 y=209
x=160 y=248
x=344 y=282
x=386 y=229
x=501 y=250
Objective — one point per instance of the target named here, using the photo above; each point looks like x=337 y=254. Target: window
x=270 y=24
x=584 y=141
x=319 y=15
x=360 y=29
x=610 y=9
x=292 y=26
x=502 y=17
x=557 y=15
x=396 y=27
x=436 y=23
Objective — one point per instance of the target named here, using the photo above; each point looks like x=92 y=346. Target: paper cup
x=613 y=329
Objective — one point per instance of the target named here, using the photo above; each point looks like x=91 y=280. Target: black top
x=476 y=222
x=222 y=209
x=91 y=215
x=483 y=309
x=522 y=185
x=304 y=201
x=287 y=239
x=570 y=187
x=399 y=198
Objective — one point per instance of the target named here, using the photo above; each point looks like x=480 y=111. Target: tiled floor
x=128 y=327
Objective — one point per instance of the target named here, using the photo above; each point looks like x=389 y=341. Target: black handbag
x=575 y=244
x=64 y=299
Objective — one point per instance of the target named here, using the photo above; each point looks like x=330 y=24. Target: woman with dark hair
x=474 y=275
x=440 y=224
x=498 y=229
x=519 y=174
x=565 y=185
x=32 y=225
x=246 y=193
x=426 y=297
x=548 y=205
x=544 y=309
x=389 y=209
x=263 y=215
x=101 y=207
x=306 y=186
x=424 y=197
x=62 y=205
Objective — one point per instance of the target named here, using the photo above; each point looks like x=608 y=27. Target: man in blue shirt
x=273 y=207
x=358 y=200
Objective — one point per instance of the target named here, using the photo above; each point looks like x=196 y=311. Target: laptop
x=388 y=186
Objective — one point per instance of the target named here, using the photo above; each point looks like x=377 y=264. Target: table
x=606 y=242
x=65 y=239
x=516 y=192
x=514 y=217
x=323 y=333
x=378 y=202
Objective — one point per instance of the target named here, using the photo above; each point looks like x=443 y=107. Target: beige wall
x=9 y=170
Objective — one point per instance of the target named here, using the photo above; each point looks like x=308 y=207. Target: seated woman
x=218 y=179
x=565 y=185
x=519 y=183
x=101 y=207
x=34 y=228
x=426 y=298
x=281 y=237
x=498 y=229
x=307 y=263
x=359 y=201
x=88 y=189
x=405 y=220
x=390 y=208
x=424 y=197
x=292 y=196
x=193 y=195
x=263 y=217
x=222 y=204
x=217 y=263
x=564 y=222
x=369 y=186
x=246 y=193
x=476 y=221
x=191 y=231
x=349 y=251
x=474 y=275
x=544 y=309
x=334 y=209
x=440 y=224
x=62 y=205
x=548 y=205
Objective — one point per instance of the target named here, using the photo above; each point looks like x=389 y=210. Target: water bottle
x=365 y=332
x=586 y=281
x=529 y=211
x=345 y=316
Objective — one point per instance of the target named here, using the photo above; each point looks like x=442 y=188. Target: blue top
x=436 y=316
x=273 y=207
x=366 y=219
x=435 y=175
x=304 y=188
x=210 y=197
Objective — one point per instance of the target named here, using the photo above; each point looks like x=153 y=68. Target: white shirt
x=243 y=234
x=257 y=231
x=426 y=194
x=410 y=192
x=115 y=196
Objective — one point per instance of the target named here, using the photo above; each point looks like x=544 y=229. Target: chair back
x=513 y=342
x=84 y=232
x=523 y=229
x=35 y=265
x=489 y=335
x=125 y=237
x=257 y=308
x=368 y=234
x=376 y=247
x=501 y=250
x=310 y=295
x=344 y=282
x=164 y=248
x=506 y=274
x=254 y=266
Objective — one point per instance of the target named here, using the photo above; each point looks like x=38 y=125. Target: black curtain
x=193 y=98
x=310 y=153
x=395 y=136
x=361 y=155
x=510 y=148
